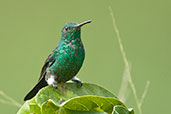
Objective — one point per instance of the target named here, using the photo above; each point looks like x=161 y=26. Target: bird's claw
x=77 y=80
x=55 y=85
x=80 y=84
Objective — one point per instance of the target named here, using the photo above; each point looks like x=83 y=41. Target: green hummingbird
x=65 y=60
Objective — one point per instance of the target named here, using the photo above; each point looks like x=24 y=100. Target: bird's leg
x=55 y=85
x=77 y=80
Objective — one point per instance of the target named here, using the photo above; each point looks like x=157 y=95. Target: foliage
x=71 y=99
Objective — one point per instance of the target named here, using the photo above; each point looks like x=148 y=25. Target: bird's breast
x=68 y=62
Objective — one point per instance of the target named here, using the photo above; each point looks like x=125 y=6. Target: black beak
x=81 y=24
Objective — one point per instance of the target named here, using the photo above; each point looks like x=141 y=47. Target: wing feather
x=49 y=61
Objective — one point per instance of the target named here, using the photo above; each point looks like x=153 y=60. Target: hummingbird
x=65 y=60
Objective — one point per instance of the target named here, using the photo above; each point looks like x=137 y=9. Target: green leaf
x=92 y=103
x=80 y=112
x=118 y=109
x=70 y=90
x=25 y=109
x=34 y=108
x=71 y=99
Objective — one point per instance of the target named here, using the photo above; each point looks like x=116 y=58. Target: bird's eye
x=66 y=28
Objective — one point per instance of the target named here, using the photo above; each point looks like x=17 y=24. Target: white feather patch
x=51 y=80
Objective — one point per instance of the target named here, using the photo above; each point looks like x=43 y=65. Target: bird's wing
x=49 y=61
x=41 y=83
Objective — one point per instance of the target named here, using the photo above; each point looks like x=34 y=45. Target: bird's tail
x=41 y=83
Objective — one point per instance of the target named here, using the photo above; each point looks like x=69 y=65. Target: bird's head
x=71 y=31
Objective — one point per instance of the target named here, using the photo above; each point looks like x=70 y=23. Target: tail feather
x=41 y=83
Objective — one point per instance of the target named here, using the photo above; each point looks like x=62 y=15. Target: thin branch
x=144 y=93
x=124 y=90
x=124 y=56
x=139 y=103
x=10 y=101
x=4 y=102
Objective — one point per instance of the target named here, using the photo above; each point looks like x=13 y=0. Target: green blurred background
x=30 y=30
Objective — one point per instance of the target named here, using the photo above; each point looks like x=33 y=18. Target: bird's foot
x=77 y=80
x=55 y=85
x=80 y=84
